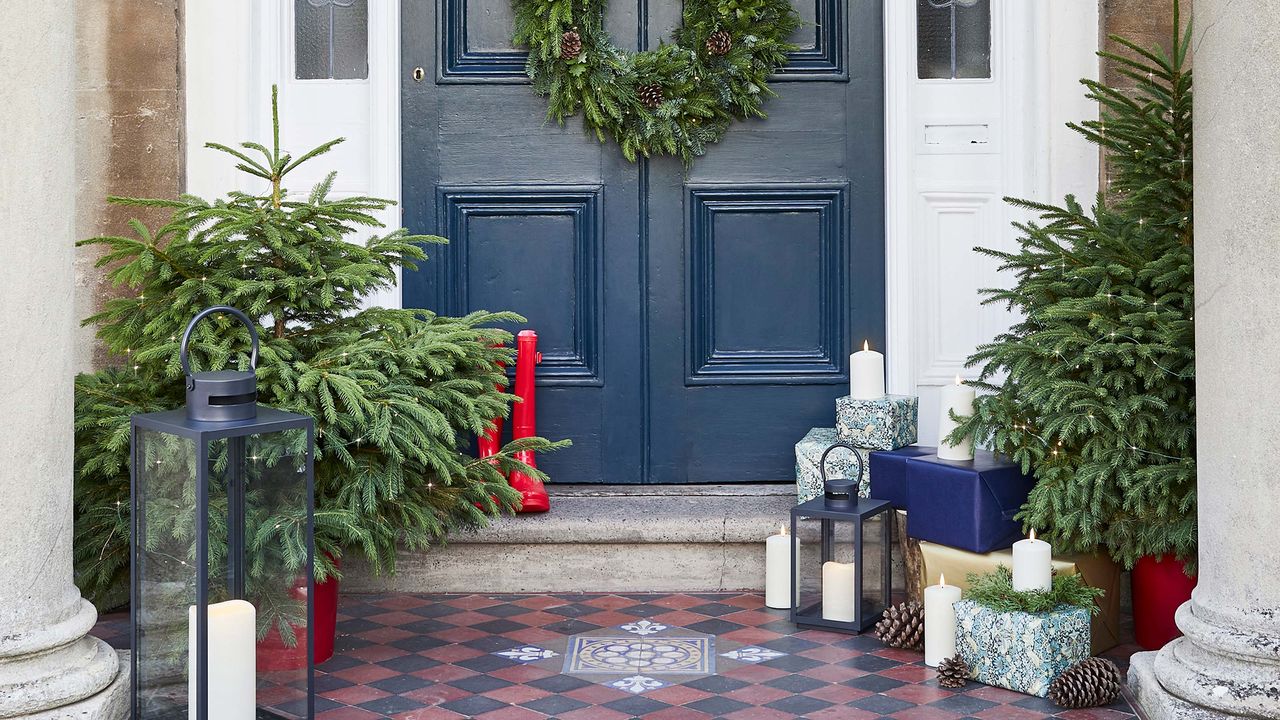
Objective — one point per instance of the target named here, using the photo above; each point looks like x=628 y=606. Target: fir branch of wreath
x=675 y=99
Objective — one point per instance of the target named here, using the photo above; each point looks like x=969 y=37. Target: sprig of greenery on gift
x=995 y=590
x=396 y=393
x=1094 y=389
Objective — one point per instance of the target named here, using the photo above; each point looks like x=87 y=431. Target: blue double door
x=693 y=325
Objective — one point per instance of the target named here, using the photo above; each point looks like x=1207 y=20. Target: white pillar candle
x=837 y=591
x=233 y=667
x=940 y=621
x=777 y=570
x=1032 y=564
x=958 y=398
x=866 y=374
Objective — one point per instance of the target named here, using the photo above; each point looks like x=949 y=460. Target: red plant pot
x=1159 y=587
x=274 y=655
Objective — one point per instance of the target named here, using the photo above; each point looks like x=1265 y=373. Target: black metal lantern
x=222 y=552
x=844 y=584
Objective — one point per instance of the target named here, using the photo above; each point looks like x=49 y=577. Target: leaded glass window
x=331 y=39
x=953 y=39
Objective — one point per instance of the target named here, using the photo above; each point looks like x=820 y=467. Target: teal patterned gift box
x=1017 y=650
x=885 y=423
x=840 y=464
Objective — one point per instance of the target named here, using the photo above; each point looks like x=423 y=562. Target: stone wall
x=128 y=129
x=1145 y=22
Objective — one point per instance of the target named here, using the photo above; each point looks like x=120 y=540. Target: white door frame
x=1039 y=51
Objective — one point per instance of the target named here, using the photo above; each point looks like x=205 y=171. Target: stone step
x=691 y=538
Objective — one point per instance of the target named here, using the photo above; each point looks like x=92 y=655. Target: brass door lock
x=418 y=74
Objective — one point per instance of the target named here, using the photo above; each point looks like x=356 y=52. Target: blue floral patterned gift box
x=840 y=464
x=885 y=423
x=1017 y=650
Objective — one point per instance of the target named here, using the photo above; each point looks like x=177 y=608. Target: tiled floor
x=615 y=657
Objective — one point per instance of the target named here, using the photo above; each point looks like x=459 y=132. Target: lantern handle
x=822 y=461
x=186 y=336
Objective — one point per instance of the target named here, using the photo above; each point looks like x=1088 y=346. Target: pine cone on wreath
x=1089 y=683
x=953 y=672
x=902 y=626
x=650 y=95
x=570 y=45
x=719 y=42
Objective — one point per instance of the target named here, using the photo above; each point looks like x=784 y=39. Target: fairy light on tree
x=1104 y=359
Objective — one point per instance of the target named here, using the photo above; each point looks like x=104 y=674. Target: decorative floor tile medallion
x=637 y=684
x=527 y=654
x=752 y=654
x=632 y=655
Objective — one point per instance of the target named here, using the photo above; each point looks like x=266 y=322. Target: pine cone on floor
x=570 y=44
x=650 y=95
x=719 y=42
x=953 y=672
x=902 y=626
x=1089 y=683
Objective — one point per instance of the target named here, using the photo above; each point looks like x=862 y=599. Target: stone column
x=49 y=667
x=1228 y=662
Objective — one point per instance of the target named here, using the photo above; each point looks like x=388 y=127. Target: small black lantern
x=223 y=548
x=841 y=586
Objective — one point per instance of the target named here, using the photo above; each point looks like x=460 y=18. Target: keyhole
x=418 y=74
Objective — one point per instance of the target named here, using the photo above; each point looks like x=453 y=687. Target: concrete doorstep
x=687 y=538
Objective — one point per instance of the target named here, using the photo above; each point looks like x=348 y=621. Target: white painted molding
x=217 y=70
x=899 y=187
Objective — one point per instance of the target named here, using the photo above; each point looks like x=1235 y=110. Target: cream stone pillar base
x=110 y=703
x=1212 y=671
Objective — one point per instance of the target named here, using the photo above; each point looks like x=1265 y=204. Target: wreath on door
x=673 y=100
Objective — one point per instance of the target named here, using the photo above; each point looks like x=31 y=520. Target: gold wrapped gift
x=1098 y=571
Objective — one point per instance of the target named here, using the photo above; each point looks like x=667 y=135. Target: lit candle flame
x=1032 y=536
x=866 y=345
x=957 y=379
x=942 y=579
x=782 y=529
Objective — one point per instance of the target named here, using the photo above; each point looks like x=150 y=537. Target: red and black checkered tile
x=511 y=657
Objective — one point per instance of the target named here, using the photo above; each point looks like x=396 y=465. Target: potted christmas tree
x=396 y=393
x=1094 y=389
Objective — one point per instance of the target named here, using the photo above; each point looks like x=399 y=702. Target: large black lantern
x=843 y=584
x=222 y=554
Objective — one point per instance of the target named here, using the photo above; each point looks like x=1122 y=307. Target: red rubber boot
x=523 y=422
x=488 y=444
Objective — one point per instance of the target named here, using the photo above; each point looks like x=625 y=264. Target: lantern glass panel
x=816 y=578
x=276 y=561
x=875 y=560
x=259 y=550
x=165 y=487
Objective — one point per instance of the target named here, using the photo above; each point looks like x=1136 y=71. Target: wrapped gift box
x=967 y=504
x=885 y=423
x=840 y=464
x=1020 y=651
x=1097 y=570
x=889 y=468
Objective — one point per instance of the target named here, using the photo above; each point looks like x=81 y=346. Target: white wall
x=954 y=149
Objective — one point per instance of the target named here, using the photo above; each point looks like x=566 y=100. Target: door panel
x=693 y=324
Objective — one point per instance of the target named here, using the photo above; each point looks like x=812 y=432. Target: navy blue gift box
x=888 y=471
x=968 y=504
